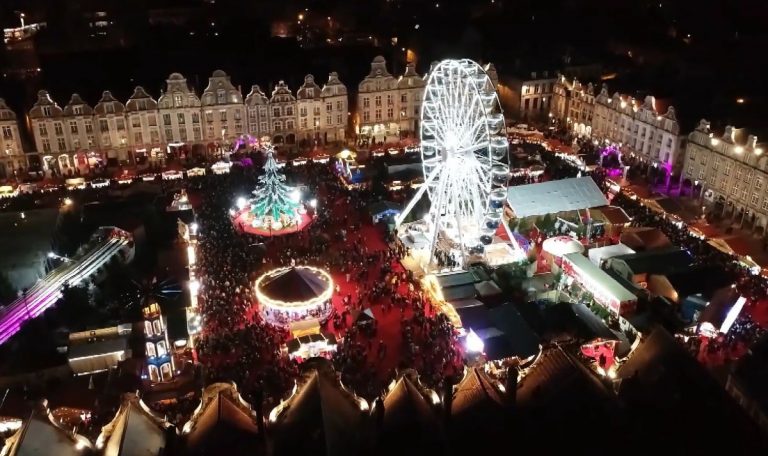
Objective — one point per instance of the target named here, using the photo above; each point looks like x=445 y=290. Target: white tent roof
x=600 y=254
x=562 y=245
x=600 y=279
x=555 y=196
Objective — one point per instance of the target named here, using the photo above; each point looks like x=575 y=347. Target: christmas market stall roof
x=321 y=418
x=556 y=196
x=645 y=238
x=135 y=430
x=294 y=284
x=479 y=411
x=295 y=344
x=384 y=207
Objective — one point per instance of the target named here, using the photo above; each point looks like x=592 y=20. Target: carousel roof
x=294 y=284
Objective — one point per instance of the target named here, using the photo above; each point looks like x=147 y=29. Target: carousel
x=296 y=296
x=276 y=208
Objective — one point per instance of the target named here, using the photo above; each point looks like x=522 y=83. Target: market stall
x=294 y=294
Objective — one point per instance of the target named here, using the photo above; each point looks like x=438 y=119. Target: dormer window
x=78 y=110
x=47 y=111
x=222 y=96
x=311 y=93
x=177 y=99
x=110 y=108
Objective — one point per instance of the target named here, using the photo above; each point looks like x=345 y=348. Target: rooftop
x=555 y=196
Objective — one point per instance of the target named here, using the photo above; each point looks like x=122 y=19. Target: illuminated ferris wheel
x=464 y=152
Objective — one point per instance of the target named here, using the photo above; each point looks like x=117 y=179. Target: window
x=692 y=155
x=728 y=168
x=198 y=133
x=7 y=132
x=183 y=135
x=303 y=123
x=366 y=102
x=162 y=350
x=404 y=98
x=329 y=119
x=389 y=100
x=154 y=374
x=390 y=113
x=91 y=140
x=105 y=140
x=366 y=116
x=223 y=115
x=338 y=119
x=151 y=352
x=58 y=129
x=137 y=138
x=103 y=125
x=739 y=174
x=152 y=120
x=168 y=134
x=289 y=125
x=735 y=189
x=221 y=96
x=278 y=126
x=263 y=127
x=765 y=204
x=311 y=92
x=47 y=111
x=166 y=119
x=147 y=329
x=758 y=183
x=61 y=143
x=180 y=118
x=755 y=199
x=195 y=118
x=46 y=145
x=77 y=110
x=120 y=124
x=378 y=114
x=527 y=104
x=339 y=106
x=136 y=122
x=303 y=111
x=209 y=117
x=377 y=101
x=289 y=110
x=165 y=372
x=328 y=107
x=276 y=112
x=177 y=99
x=535 y=103
x=209 y=132
x=237 y=114
x=316 y=111
x=154 y=136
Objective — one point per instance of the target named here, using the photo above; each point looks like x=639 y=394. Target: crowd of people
x=238 y=344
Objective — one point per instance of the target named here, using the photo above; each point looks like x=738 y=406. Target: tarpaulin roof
x=555 y=196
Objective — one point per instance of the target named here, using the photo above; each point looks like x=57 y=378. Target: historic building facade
x=144 y=135
x=573 y=105
x=179 y=108
x=322 y=112
x=111 y=129
x=388 y=107
x=282 y=111
x=257 y=105
x=729 y=172
x=645 y=131
x=46 y=119
x=531 y=95
x=12 y=157
x=223 y=111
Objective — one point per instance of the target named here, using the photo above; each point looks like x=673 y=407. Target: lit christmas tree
x=274 y=198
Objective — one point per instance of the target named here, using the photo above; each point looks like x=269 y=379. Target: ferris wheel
x=464 y=151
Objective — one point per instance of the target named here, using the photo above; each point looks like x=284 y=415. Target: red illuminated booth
x=605 y=289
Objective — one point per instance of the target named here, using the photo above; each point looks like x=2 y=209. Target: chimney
x=513 y=377
x=751 y=142
x=728 y=135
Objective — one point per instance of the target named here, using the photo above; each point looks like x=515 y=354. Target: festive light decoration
x=274 y=198
x=294 y=282
x=464 y=152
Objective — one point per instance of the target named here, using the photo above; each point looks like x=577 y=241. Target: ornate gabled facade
x=46 y=120
x=573 y=105
x=160 y=363
x=322 y=111
x=730 y=173
x=12 y=155
x=223 y=110
x=257 y=105
x=645 y=131
x=144 y=135
x=179 y=109
x=376 y=104
x=111 y=131
x=282 y=109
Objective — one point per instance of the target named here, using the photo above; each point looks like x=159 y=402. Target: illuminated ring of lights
x=464 y=148
x=287 y=306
